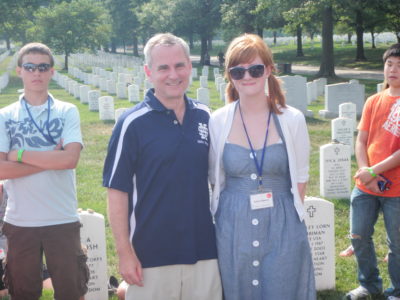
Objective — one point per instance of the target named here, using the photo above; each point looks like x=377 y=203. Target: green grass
x=92 y=195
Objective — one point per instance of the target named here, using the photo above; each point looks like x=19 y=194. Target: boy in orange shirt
x=377 y=183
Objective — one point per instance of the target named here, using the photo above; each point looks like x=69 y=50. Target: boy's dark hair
x=393 y=50
x=35 y=48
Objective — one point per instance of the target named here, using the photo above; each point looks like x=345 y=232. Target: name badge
x=261 y=200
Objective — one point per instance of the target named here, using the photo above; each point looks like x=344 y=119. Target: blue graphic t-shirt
x=48 y=197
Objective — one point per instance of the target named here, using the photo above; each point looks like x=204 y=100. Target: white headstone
x=349 y=110
x=103 y=84
x=106 y=108
x=204 y=71
x=203 y=81
x=311 y=91
x=379 y=87
x=194 y=73
x=320 y=222
x=121 y=90
x=342 y=131
x=83 y=93
x=133 y=93
x=296 y=92
x=119 y=112
x=335 y=171
x=222 y=88
x=203 y=96
x=93 y=99
x=93 y=237
x=111 y=86
x=336 y=94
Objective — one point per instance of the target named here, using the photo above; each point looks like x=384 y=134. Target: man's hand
x=130 y=269
x=373 y=186
x=364 y=176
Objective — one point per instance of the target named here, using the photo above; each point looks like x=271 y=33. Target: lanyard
x=259 y=167
x=48 y=137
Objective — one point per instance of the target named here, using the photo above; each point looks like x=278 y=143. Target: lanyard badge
x=262 y=198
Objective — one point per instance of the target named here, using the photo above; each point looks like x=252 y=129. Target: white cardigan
x=295 y=132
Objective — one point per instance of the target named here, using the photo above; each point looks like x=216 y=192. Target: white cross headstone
x=342 y=131
x=349 y=110
x=320 y=222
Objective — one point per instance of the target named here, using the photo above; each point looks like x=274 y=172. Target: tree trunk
x=360 y=36
x=113 y=46
x=203 y=50
x=299 y=42
x=260 y=31
x=8 y=42
x=275 y=37
x=373 y=39
x=135 y=46
x=327 y=67
x=209 y=43
x=398 y=36
x=191 y=43
x=66 y=61
x=349 y=35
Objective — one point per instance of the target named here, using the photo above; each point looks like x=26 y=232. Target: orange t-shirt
x=381 y=118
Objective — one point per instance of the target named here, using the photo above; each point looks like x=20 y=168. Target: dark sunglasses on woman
x=30 y=67
x=255 y=71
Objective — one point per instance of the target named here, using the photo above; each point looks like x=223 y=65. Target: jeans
x=364 y=212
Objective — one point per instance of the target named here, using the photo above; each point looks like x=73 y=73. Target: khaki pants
x=200 y=281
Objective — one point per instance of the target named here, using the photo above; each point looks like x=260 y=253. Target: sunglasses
x=33 y=67
x=255 y=71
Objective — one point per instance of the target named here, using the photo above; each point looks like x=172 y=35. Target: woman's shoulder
x=223 y=111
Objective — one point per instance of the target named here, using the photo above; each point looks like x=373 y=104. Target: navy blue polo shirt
x=163 y=166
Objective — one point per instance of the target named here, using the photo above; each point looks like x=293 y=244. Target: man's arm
x=130 y=267
x=50 y=160
x=362 y=161
x=11 y=170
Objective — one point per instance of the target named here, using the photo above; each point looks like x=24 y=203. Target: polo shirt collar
x=152 y=101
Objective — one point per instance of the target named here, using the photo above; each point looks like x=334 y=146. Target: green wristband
x=371 y=172
x=19 y=155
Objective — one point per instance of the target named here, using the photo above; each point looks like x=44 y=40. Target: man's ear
x=147 y=71
x=18 y=71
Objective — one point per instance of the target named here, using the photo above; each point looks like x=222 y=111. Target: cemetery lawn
x=92 y=195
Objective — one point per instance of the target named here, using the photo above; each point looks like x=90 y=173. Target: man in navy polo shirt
x=156 y=175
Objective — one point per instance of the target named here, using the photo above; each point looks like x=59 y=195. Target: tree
x=327 y=67
x=16 y=18
x=124 y=23
x=72 y=27
x=238 y=17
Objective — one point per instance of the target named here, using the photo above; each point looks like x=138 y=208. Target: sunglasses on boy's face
x=255 y=71
x=33 y=67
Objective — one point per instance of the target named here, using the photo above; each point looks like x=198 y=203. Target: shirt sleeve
x=4 y=136
x=72 y=127
x=120 y=163
x=301 y=148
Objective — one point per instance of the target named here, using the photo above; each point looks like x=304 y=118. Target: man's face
x=35 y=81
x=392 y=71
x=169 y=72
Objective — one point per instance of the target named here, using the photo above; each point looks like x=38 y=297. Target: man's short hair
x=165 y=39
x=37 y=48
x=393 y=50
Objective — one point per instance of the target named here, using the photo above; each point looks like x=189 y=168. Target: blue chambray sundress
x=264 y=253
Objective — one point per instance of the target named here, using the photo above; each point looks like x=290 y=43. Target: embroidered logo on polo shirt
x=203 y=131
